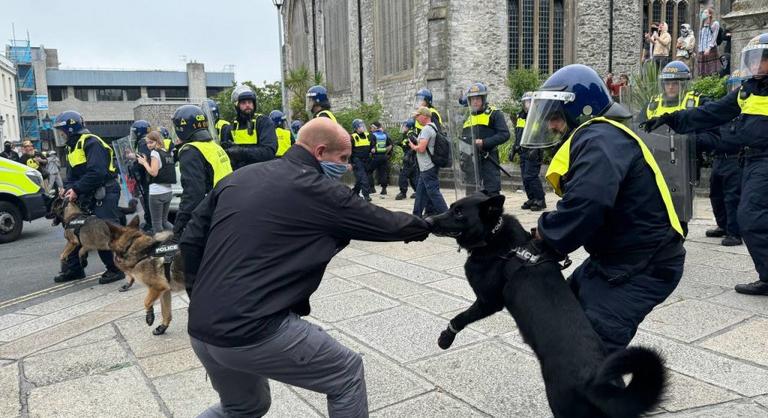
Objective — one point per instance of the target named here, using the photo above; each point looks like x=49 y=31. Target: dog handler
x=91 y=182
x=615 y=203
x=254 y=261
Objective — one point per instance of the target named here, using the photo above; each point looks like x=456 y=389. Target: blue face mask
x=332 y=170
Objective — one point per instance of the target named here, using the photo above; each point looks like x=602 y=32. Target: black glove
x=446 y=338
x=653 y=123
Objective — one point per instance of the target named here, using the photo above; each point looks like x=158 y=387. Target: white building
x=9 y=114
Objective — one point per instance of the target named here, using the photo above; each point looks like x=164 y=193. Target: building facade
x=9 y=114
x=388 y=49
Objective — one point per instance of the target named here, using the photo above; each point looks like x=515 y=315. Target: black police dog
x=581 y=380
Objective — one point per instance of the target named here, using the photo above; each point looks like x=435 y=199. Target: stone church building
x=388 y=49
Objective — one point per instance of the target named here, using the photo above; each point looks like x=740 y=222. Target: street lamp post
x=284 y=99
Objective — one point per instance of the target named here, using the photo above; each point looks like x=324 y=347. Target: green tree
x=298 y=82
x=268 y=98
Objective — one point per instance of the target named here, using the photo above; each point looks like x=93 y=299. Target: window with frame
x=81 y=93
x=336 y=30
x=132 y=93
x=154 y=92
x=57 y=94
x=536 y=34
x=394 y=36
x=176 y=93
x=109 y=95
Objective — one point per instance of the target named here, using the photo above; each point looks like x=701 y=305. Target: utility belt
x=726 y=156
x=632 y=264
x=96 y=198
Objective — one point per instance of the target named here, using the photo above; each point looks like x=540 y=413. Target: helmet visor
x=754 y=61
x=672 y=91
x=60 y=137
x=546 y=124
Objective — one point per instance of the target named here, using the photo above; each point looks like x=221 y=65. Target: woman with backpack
x=708 y=58
x=162 y=171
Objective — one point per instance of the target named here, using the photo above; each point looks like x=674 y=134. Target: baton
x=497 y=165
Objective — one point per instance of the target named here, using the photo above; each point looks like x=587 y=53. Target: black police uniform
x=409 y=170
x=361 y=159
x=85 y=179
x=139 y=173
x=613 y=207
x=530 y=164
x=494 y=132
x=249 y=140
x=380 y=158
x=749 y=107
x=725 y=177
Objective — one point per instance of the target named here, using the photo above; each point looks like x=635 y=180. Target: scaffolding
x=20 y=53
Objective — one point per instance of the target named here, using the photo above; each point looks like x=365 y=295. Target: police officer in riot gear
x=219 y=123
x=251 y=137
x=318 y=104
x=749 y=106
x=295 y=126
x=381 y=150
x=409 y=170
x=424 y=98
x=202 y=162
x=92 y=183
x=139 y=131
x=615 y=203
x=486 y=128
x=530 y=161
x=361 y=158
x=725 y=178
x=285 y=137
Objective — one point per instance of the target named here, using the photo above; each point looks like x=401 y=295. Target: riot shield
x=125 y=157
x=466 y=169
x=206 y=106
x=675 y=155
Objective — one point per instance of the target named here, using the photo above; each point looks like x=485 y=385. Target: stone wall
x=157 y=113
x=747 y=19
x=592 y=35
x=196 y=80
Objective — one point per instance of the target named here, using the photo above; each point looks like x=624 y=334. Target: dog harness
x=167 y=250
x=75 y=224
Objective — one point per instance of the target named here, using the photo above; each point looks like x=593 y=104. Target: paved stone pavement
x=89 y=353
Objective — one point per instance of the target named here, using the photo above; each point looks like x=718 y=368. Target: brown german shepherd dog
x=136 y=254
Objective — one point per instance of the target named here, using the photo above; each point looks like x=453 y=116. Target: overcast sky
x=151 y=34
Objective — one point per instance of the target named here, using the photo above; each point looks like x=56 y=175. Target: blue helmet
x=69 y=122
x=317 y=94
x=675 y=70
x=295 y=126
x=357 y=123
x=213 y=107
x=140 y=129
x=277 y=117
x=477 y=89
x=409 y=123
x=189 y=119
x=424 y=94
x=569 y=97
x=165 y=132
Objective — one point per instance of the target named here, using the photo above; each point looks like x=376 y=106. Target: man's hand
x=479 y=143
x=71 y=195
x=653 y=123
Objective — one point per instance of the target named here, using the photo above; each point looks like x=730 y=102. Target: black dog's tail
x=649 y=379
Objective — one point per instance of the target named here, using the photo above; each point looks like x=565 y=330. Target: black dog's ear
x=493 y=206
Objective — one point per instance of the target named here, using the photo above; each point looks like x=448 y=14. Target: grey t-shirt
x=425 y=161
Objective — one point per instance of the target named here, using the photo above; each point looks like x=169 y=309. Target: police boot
x=69 y=275
x=538 y=205
x=383 y=190
x=755 y=288
x=715 y=232
x=413 y=195
x=400 y=196
x=111 y=276
x=730 y=241
x=527 y=204
x=373 y=190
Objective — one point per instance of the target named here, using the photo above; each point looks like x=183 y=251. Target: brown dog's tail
x=649 y=380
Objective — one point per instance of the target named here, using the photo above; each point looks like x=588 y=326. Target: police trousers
x=530 y=168
x=107 y=210
x=615 y=310
x=490 y=175
x=299 y=354
x=753 y=213
x=380 y=165
x=409 y=174
x=725 y=193
x=360 y=170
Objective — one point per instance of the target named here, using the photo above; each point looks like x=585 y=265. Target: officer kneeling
x=615 y=203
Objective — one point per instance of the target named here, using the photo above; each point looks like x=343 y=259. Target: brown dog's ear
x=114 y=230
x=134 y=223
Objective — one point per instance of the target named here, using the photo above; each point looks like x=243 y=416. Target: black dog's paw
x=160 y=329
x=150 y=316
x=446 y=339
x=125 y=287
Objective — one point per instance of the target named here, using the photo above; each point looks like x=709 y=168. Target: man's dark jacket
x=259 y=243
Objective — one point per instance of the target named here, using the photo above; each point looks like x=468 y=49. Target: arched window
x=299 y=35
x=336 y=32
x=536 y=34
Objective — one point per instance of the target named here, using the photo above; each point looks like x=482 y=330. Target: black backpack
x=442 y=155
x=720 y=35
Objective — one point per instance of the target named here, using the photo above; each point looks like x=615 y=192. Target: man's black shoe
x=111 y=277
x=400 y=196
x=538 y=205
x=715 y=233
x=413 y=195
x=383 y=191
x=730 y=241
x=527 y=204
x=373 y=190
x=69 y=275
x=755 y=288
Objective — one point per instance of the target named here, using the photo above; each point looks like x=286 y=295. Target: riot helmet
x=754 y=57
x=190 y=121
x=317 y=96
x=295 y=126
x=526 y=101
x=243 y=93
x=139 y=130
x=477 y=90
x=67 y=124
x=423 y=98
x=358 y=126
x=213 y=108
x=278 y=118
x=674 y=80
